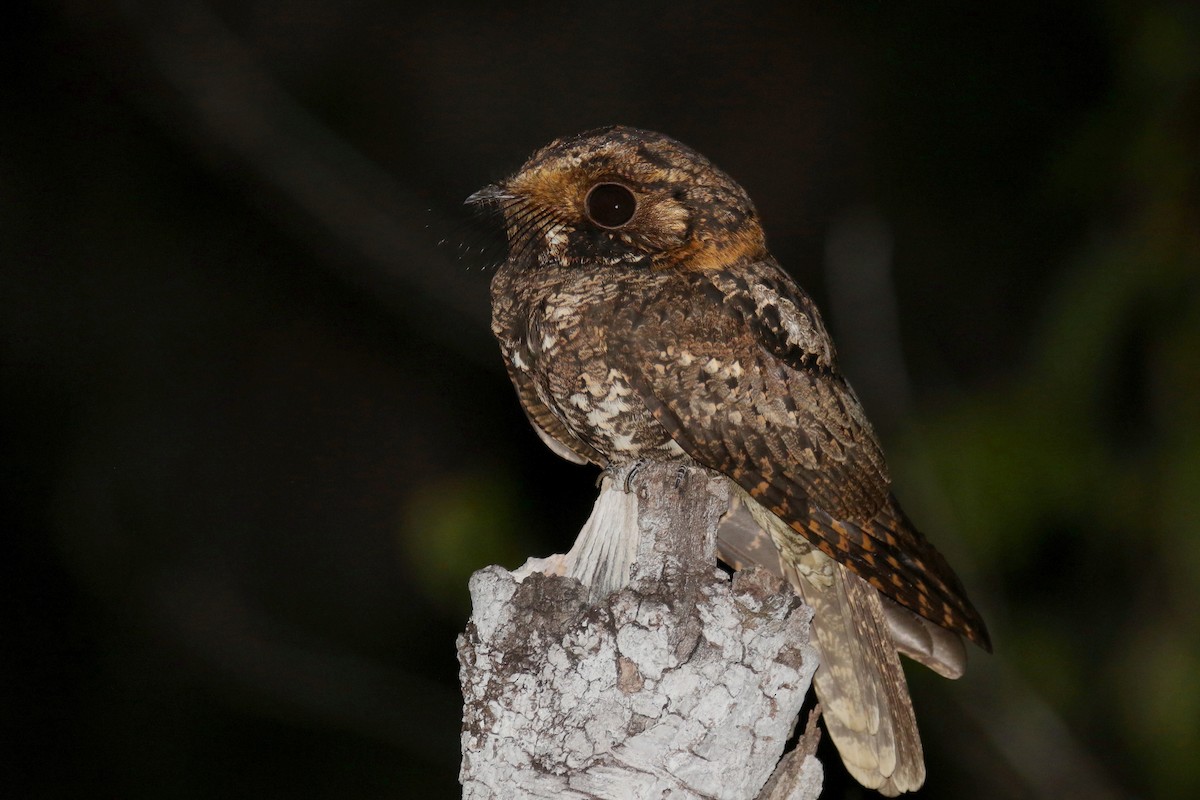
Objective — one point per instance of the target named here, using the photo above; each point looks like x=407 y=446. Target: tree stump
x=632 y=667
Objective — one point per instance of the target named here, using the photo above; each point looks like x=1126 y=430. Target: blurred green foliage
x=1077 y=482
x=458 y=524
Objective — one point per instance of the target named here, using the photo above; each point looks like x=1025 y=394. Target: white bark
x=681 y=684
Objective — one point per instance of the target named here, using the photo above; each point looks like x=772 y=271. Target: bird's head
x=624 y=197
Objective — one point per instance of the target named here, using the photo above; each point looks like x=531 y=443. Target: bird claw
x=611 y=472
x=634 y=469
x=680 y=474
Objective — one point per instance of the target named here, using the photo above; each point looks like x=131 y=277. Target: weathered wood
x=660 y=678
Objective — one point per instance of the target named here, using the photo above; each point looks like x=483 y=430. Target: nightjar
x=641 y=316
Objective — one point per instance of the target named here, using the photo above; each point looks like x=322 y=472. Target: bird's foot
x=634 y=469
x=680 y=473
x=613 y=471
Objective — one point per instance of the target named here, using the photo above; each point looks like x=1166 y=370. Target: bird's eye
x=610 y=205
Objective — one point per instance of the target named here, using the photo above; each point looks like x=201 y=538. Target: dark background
x=256 y=435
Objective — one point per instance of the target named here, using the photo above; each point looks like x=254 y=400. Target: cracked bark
x=632 y=667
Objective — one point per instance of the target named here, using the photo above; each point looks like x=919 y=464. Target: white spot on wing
x=622 y=442
x=802 y=331
x=672 y=447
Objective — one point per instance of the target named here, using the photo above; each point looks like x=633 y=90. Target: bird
x=641 y=317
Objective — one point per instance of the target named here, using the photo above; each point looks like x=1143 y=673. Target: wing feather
x=742 y=543
x=763 y=402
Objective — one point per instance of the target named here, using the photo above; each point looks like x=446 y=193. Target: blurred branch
x=227 y=98
x=1024 y=730
x=216 y=624
x=862 y=298
x=1033 y=739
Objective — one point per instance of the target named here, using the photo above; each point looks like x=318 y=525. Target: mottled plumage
x=642 y=317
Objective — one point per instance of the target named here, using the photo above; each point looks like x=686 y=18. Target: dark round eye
x=610 y=205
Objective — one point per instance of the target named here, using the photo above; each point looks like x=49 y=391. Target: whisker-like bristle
x=530 y=225
x=476 y=239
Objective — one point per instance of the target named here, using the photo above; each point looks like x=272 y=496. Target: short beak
x=491 y=194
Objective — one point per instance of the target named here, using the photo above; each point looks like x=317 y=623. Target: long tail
x=860 y=682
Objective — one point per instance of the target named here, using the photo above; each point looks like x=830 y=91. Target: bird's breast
x=565 y=338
